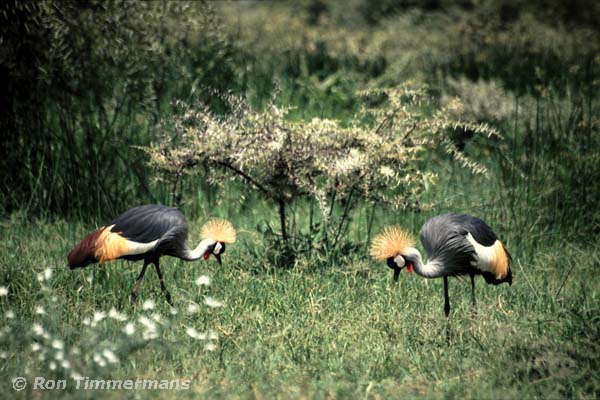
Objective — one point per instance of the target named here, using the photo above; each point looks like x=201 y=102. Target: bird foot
x=169 y=300
x=133 y=297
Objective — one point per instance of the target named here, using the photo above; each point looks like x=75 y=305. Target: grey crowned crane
x=457 y=244
x=147 y=233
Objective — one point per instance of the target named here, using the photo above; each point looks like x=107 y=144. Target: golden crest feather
x=220 y=230
x=390 y=242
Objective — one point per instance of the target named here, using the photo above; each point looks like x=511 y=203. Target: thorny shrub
x=377 y=156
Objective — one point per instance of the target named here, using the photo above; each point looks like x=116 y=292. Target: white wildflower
x=75 y=351
x=99 y=360
x=147 y=322
x=65 y=364
x=47 y=274
x=52 y=365
x=150 y=334
x=211 y=302
x=193 y=308
x=212 y=335
x=151 y=330
x=203 y=280
x=110 y=356
x=86 y=321
x=148 y=305
x=173 y=311
x=59 y=356
x=210 y=347
x=39 y=310
x=37 y=329
x=192 y=333
x=386 y=171
x=129 y=329
x=42 y=357
x=35 y=347
x=98 y=316
x=3 y=355
x=114 y=314
x=58 y=344
x=10 y=314
x=3 y=291
x=156 y=317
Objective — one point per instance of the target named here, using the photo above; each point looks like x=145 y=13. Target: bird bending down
x=147 y=233
x=457 y=244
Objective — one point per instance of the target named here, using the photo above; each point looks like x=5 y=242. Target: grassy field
x=346 y=331
x=92 y=83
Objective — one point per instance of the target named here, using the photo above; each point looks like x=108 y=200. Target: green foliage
x=85 y=81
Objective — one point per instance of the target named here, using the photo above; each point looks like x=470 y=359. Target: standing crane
x=147 y=233
x=457 y=244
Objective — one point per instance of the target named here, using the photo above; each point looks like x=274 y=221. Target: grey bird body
x=144 y=233
x=445 y=239
x=456 y=244
x=145 y=224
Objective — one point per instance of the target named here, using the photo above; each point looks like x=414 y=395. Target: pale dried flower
x=213 y=303
x=203 y=280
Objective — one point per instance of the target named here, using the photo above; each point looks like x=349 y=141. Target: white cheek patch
x=399 y=260
x=218 y=248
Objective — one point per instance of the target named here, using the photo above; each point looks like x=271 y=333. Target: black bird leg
x=446 y=299
x=447 y=309
x=138 y=281
x=162 y=284
x=473 y=301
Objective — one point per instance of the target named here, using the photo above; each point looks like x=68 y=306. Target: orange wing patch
x=501 y=262
x=110 y=245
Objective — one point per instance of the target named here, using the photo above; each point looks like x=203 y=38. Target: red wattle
x=206 y=255
x=409 y=267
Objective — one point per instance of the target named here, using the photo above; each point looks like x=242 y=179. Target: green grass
x=344 y=331
x=335 y=326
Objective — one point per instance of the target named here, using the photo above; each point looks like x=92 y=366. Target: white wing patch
x=485 y=255
x=140 y=248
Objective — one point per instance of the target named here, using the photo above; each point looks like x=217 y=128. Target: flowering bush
x=375 y=156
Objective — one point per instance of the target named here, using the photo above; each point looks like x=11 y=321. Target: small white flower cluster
x=150 y=328
x=44 y=276
x=210 y=337
x=203 y=280
x=51 y=349
x=55 y=354
x=105 y=357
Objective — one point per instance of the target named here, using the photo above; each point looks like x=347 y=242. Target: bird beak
x=397 y=274
x=218 y=257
